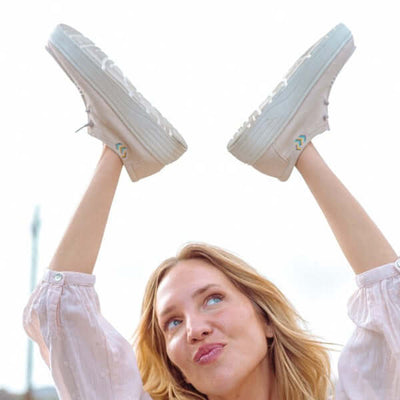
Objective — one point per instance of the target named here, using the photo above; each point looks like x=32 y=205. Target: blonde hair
x=300 y=363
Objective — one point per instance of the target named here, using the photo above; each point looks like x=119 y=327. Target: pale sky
x=205 y=65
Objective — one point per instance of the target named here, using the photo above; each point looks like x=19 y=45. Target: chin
x=219 y=384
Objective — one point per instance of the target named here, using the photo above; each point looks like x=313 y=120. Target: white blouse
x=90 y=360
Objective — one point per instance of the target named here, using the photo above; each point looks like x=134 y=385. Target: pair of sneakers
x=271 y=140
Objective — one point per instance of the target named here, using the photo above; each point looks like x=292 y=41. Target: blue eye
x=173 y=323
x=214 y=299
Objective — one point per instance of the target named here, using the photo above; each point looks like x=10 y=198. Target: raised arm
x=135 y=134
x=87 y=357
x=362 y=242
x=81 y=242
x=278 y=137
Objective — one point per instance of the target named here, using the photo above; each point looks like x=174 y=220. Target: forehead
x=187 y=276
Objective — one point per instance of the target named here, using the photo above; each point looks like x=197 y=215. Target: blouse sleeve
x=369 y=365
x=87 y=357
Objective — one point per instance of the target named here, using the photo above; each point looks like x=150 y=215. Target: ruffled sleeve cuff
x=376 y=303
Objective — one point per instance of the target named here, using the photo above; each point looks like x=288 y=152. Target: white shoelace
x=107 y=65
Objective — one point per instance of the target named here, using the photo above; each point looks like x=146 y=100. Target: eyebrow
x=195 y=294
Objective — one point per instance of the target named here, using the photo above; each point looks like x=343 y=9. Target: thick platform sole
x=93 y=69
x=322 y=61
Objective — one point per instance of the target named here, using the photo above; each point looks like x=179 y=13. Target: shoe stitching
x=107 y=65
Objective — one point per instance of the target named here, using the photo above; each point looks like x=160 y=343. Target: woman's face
x=212 y=331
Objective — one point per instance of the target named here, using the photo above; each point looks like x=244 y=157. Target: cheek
x=176 y=351
x=237 y=319
x=245 y=325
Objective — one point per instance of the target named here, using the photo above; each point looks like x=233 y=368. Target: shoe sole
x=145 y=122
x=270 y=119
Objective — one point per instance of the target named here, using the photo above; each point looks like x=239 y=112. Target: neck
x=259 y=385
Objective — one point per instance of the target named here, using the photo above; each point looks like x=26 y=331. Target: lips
x=208 y=353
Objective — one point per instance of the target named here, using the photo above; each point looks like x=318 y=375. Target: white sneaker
x=276 y=133
x=118 y=114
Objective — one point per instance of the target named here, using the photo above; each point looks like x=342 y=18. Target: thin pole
x=35 y=227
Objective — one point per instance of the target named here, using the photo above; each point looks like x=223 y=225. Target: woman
x=211 y=327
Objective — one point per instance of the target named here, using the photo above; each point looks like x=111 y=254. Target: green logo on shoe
x=122 y=150
x=300 y=142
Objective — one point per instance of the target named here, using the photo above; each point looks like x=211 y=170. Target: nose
x=197 y=329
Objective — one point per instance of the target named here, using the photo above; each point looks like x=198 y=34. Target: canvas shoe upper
x=118 y=114
x=278 y=131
